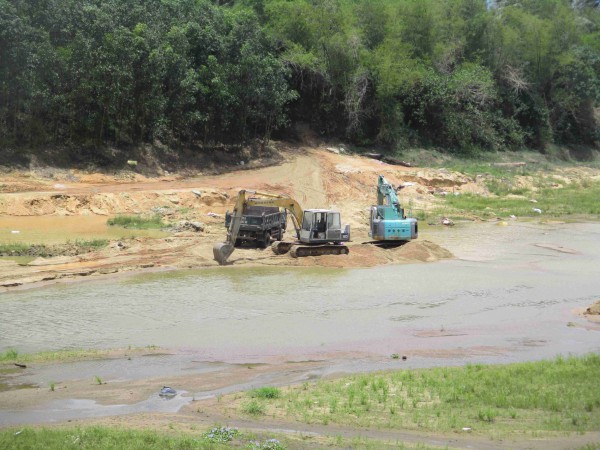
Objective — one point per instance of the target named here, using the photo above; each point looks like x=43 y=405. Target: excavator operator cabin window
x=320 y=222
x=307 y=221
x=333 y=221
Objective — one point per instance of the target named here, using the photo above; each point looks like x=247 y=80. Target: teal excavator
x=388 y=222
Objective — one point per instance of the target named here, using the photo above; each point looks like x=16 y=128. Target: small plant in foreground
x=94 y=243
x=221 y=434
x=15 y=249
x=98 y=380
x=253 y=408
x=487 y=415
x=9 y=355
x=137 y=222
x=266 y=392
x=52 y=386
x=270 y=444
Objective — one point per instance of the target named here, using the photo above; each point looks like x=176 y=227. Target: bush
x=253 y=408
x=266 y=392
x=137 y=222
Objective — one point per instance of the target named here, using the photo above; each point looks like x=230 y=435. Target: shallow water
x=501 y=291
x=59 y=229
x=504 y=298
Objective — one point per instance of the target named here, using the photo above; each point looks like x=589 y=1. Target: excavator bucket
x=222 y=251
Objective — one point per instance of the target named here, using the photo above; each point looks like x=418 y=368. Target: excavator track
x=298 y=251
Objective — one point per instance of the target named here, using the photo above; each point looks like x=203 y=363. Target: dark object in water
x=167 y=391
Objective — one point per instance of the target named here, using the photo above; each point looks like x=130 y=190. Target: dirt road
x=315 y=177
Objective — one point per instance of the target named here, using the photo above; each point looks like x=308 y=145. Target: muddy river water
x=510 y=295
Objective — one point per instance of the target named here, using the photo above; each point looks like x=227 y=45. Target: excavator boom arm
x=385 y=190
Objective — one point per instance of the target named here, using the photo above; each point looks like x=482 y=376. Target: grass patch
x=538 y=180
x=69 y=248
x=9 y=355
x=48 y=356
x=546 y=396
x=93 y=243
x=137 y=222
x=16 y=248
x=474 y=168
x=217 y=438
x=266 y=392
x=502 y=187
x=253 y=408
x=573 y=199
x=102 y=437
x=13 y=355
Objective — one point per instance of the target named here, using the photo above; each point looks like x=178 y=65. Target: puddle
x=10 y=380
x=15 y=387
x=121 y=369
x=22 y=260
x=60 y=229
x=70 y=409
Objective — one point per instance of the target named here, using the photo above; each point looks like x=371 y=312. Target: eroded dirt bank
x=315 y=177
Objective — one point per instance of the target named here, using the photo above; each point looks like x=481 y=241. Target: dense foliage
x=130 y=71
x=460 y=74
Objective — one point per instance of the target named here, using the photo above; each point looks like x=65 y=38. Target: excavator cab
x=322 y=226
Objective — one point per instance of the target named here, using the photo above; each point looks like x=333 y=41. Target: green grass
x=13 y=355
x=93 y=243
x=536 y=181
x=474 y=168
x=25 y=249
x=257 y=405
x=101 y=438
x=574 y=199
x=137 y=222
x=16 y=248
x=9 y=355
x=537 y=397
x=48 y=356
x=108 y=438
x=254 y=408
x=266 y=392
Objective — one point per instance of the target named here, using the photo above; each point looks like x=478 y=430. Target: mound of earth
x=594 y=309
